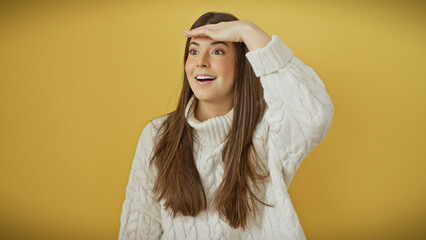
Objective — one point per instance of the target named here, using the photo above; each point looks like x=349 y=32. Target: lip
x=204 y=74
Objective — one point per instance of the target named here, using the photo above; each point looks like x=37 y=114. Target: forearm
x=300 y=109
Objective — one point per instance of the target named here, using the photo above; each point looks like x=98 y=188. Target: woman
x=220 y=165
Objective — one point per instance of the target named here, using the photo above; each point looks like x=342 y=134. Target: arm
x=299 y=108
x=299 y=111
x=140 y=216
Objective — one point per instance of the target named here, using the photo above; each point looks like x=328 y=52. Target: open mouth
x=205 y=78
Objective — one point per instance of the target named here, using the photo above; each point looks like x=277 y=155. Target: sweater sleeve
x=300 y=110
x=140 y=216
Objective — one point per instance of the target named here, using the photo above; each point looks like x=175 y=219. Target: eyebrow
x=212 y=43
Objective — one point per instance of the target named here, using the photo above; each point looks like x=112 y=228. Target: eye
x=218 y=52
x=192 y=51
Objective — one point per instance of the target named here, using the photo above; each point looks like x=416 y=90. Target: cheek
x=226 y=67
x=189 y=66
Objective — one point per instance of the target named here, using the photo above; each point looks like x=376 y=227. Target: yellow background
x=79 y=81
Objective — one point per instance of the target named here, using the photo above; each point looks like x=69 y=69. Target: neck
x=206 y=110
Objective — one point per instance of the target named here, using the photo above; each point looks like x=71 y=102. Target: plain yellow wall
x=80 y=80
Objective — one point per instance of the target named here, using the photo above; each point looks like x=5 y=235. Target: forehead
x=201 y=39
x=206 y=41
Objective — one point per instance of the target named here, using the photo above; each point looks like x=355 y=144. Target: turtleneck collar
x=211 y=132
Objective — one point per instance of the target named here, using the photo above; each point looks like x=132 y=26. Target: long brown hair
x=178 y=181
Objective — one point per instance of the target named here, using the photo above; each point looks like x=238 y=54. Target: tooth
x=205 y=77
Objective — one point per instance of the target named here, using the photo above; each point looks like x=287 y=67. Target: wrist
x=254 y=37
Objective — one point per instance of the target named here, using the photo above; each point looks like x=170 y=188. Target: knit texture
x=298 y=118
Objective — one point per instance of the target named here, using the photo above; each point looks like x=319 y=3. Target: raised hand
x=234 y=31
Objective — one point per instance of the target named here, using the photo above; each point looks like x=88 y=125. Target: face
x=210 y=69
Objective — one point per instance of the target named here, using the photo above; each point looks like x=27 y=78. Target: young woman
x=220 y=165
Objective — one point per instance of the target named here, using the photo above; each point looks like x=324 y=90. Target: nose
x=203 y=61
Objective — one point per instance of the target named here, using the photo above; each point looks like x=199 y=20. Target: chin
x=203 y=98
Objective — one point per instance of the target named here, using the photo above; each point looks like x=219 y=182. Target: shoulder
x=155 y=125
x=151 y=131
x=146 y=143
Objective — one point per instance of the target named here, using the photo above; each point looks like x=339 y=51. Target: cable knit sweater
x=298 y=117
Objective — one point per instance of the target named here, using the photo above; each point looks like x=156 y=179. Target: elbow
x=318 y=129
x=325 y=119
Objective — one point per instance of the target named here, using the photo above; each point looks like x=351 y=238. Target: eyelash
x=191 y=52
x=218 y=50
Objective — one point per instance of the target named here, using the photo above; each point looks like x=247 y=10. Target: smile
x=204 y=77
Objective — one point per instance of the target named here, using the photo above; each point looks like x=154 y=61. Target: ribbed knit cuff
x=274 y=56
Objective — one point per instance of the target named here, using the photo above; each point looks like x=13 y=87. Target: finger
x=199 y=32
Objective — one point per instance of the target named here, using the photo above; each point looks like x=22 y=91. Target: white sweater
x=298 y=117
